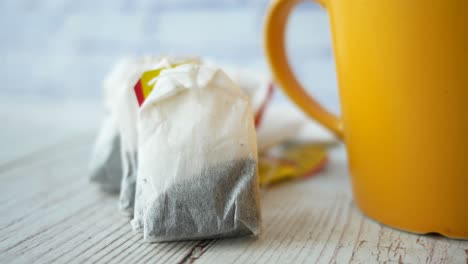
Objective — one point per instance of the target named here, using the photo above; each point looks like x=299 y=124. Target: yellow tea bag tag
x=291 y=160
x=143 y=87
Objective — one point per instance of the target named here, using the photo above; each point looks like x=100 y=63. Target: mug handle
x=276 y=21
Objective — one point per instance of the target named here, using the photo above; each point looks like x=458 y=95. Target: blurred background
x=55 y=53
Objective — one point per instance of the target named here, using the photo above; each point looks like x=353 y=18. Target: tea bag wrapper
x=197 y=150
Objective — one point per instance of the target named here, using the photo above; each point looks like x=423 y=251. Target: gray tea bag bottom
x=128 y=183
x=221 y=201
x=113 y=168
x=106 y=165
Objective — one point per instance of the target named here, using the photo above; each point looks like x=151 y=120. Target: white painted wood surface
x=50 y=213
x=61 y=50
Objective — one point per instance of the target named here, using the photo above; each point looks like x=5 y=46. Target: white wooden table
x=61 y=49
x=50 y=212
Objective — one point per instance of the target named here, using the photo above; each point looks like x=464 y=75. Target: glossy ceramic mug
x=402 y=69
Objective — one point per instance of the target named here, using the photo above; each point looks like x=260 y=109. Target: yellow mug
x=402 y=70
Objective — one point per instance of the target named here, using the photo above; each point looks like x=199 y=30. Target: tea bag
x=125 y=109
x=114 y=160
x=105 y=163
x=197 y=158
x=259 y=88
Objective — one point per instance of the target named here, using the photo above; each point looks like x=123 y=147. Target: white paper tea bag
x=258 y=87
x=114 y=173
x=197 y=149
x=126 y=109
x=106 y=162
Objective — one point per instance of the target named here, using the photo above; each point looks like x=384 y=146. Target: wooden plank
x=49 y=152
x=34 y=184
x=33 y=124
x=50 y=213
x=316 y=221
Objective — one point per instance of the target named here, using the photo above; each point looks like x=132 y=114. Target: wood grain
x=50 y=213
